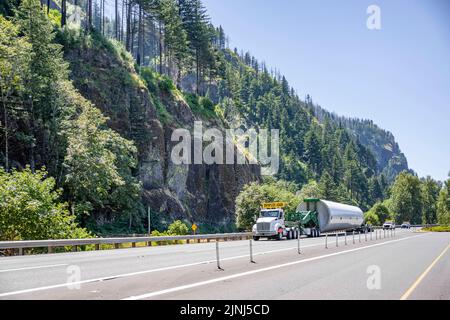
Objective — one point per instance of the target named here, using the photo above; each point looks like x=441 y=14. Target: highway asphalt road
x=408 y=266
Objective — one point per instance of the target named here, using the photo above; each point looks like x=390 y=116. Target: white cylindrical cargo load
x=336 y=216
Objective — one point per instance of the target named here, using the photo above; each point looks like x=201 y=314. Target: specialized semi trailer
x=321 y=216
x=312 y=217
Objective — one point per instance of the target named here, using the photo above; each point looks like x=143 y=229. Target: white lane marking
x=142 y=272
x=243 y=274
x=37 y=267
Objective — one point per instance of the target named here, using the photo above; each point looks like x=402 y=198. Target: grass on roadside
x=438 y=229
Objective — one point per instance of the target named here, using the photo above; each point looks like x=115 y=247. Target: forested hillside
x=391 y=161
x=93 y=99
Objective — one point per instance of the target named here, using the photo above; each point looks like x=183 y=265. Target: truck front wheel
x=256 y=238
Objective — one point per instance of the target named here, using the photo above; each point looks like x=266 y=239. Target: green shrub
x=165 y=84
x=150 y=79
x=201 y=106
x=178 y=228
x=207 y=104
x=30 y=208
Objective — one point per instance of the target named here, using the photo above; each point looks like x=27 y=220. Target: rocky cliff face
x=196 y=193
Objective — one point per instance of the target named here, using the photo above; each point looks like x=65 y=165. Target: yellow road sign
x=274 y=205
x=194 y=227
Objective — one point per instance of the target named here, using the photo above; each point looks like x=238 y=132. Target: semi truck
x=272 y=223
x=312 y=218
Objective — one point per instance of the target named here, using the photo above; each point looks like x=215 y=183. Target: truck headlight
x=254 y=227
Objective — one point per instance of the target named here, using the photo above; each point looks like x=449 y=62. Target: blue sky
x=398 y=76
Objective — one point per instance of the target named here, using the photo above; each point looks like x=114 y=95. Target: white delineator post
x=217 y=255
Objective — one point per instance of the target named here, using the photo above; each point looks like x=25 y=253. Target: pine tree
x=199 y=34
x=47 y=67
x=15 y=55
x=430 y=195
x=313 y=147
x=443 y=204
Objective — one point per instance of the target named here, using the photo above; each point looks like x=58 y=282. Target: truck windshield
x=270 y=214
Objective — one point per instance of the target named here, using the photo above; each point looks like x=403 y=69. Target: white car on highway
x=389 y=225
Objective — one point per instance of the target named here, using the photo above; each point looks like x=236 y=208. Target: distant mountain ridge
x=391 y=160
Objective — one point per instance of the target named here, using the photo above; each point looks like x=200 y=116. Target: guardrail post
x=337 y=239
x=345 y=237
x=365 y=235
x=133 y=244
x=353 y=236
x=116 y=246
x=359 y=233
x=20 y=251
x=371 y=235
x=326 y=241
x=251 y=251
x=50 y=249
x=97 y=247
x=74 y=248
x=298 y=245
x=217 y=256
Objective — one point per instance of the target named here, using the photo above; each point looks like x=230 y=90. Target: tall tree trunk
x=143 y=38
x=63 y=13
x=121 y=20
x=48 y=7
x=89 y=15
x=160 y=48
x=116 y=9
x=133 y=32
x=197 y=65
x=103 y=17
x=139 y=57
x=33 y=133
x=6 y=134
x=128 y=40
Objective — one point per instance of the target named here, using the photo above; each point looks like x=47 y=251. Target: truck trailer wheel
x=256 y=238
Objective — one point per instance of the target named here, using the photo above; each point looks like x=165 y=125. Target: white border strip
x=37 y=267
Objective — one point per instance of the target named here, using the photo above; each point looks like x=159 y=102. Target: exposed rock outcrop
x=196 y=193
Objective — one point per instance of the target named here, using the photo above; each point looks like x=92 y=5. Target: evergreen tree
x=430 y=195
x=15 y=55
x=443 y=204
x=47 y=67
x=196 y=23
x=406 y=198
x=328 y=187
x=313 y=149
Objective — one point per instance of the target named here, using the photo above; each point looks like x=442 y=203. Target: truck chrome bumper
x=265 y=234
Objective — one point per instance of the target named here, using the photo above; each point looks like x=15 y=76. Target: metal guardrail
x=378 y=232
x=74 y=243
